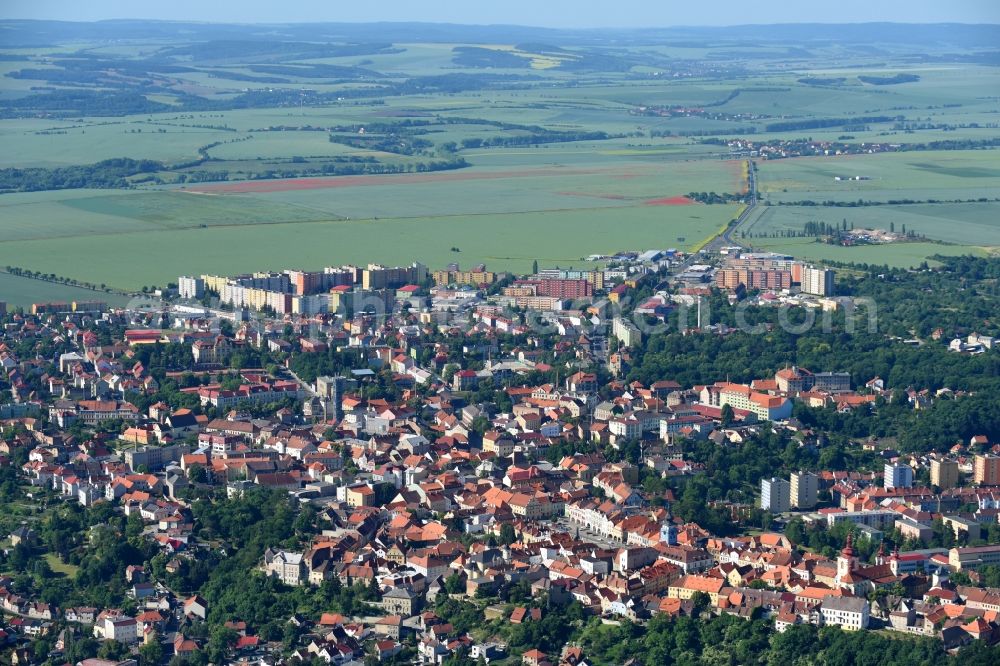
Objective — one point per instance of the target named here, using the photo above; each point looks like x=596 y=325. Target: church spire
x=849 y=547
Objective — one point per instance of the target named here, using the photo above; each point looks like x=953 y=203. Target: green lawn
x=60 y=567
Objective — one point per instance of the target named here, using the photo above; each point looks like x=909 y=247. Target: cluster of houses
x=466 y=444
x=777 y=149
x=974 y=343
x=585 y=531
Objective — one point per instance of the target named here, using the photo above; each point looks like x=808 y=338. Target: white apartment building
x=190 y=287
x=804 y=490
x=897 y=476
x=775 y=495
x=817 y=281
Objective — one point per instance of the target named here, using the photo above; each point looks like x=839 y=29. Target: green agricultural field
x=945 y=176
x=422 y=59
x=901 y=255
x=596 y=182
x=106 y=213
x=975 y=224
x=502 y=241
x=267 y=145
x=22 y=292
x=609 y=152
x=557 y=200
x=52 y=143
x=592 y=203
x=917 y=176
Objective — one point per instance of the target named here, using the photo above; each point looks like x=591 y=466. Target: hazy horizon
x=554 y=14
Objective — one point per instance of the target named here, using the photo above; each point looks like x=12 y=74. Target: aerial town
x=499 y=333
x=403 y=465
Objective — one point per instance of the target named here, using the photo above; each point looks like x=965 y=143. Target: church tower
x=894 y=561
x=846 y=560
x=668 y=533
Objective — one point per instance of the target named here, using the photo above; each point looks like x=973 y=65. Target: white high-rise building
x=775 y=495
x=804 y=489
x=897 y=476
x=190 y=287
x=818 y=281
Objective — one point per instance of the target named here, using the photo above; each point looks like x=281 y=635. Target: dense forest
x=731 y=640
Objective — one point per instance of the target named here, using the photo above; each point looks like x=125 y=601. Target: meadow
x=59 y=567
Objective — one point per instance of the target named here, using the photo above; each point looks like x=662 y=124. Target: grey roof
x=846 y=604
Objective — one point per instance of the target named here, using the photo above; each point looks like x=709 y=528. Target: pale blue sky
x=549 y=13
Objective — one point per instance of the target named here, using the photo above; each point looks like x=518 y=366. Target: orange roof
x=818 y=593
x=331 y=619
x=771 y=539
x=765 y=400
x=953 y=610
x=701 y=583
x=670 y=606
x=977 y=626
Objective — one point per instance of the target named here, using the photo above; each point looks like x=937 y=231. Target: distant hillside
x=21 y=33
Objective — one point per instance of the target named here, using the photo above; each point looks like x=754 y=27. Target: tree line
x=820 y=123
x=535 y=137
x=106 y=174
